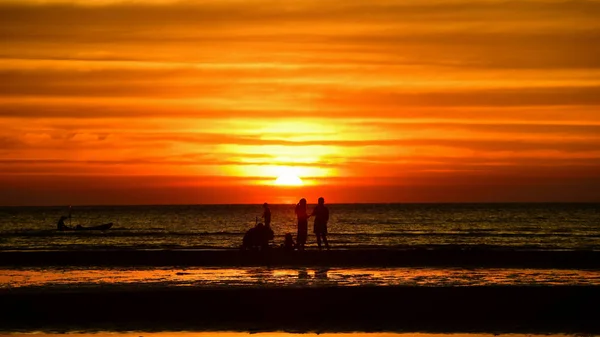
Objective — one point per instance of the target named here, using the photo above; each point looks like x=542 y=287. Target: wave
x=115 y=232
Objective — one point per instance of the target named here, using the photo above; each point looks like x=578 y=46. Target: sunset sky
x=162 y=102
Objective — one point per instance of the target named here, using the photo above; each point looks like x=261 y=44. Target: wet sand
x=510 y=309
x=438 y=257
x=328 y=300
x=210 y=277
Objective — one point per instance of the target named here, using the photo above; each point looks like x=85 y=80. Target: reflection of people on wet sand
x=61 y=224
x=302 y=224
x=321 y=214
x=302 y=274
x=321 y=273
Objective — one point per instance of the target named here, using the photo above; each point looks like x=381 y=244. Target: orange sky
x=158 y=101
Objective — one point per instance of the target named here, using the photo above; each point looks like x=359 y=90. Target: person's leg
x=318 y=239
x=301 y=240
x=325 y=241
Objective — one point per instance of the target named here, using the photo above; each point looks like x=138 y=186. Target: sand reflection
x=278 y=334
x=264 y=276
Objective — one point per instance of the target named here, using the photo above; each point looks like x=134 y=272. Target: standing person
x=321 y=214
x=267 y=216
x=302 y=224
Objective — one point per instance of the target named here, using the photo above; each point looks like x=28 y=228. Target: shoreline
x=496 y=309
x=107 y=278
x=441 y=257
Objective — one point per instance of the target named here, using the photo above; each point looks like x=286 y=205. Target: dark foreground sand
x=438 y=257
x=513 y=309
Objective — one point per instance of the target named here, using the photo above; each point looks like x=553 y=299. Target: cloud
x=503 y=34
x=463 y=94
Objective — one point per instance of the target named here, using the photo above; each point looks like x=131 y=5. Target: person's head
x=321 y=201
x=302 y=201
x=265 y=205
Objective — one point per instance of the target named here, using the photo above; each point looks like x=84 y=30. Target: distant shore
x=440 y=257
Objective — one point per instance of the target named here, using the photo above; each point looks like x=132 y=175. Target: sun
x=288 y=179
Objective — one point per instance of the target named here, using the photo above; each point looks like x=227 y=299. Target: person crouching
x=257 y=238
x=288 y=244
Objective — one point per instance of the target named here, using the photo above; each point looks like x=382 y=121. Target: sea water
x=532 y=226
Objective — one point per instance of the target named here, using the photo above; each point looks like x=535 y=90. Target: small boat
x=96 y=228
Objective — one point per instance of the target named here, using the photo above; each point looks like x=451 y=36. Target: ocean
x=491 y=268
x=515 y=226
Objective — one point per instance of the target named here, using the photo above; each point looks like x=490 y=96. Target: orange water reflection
x=277 y=334
x=300 y=277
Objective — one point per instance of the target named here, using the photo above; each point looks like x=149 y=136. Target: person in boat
x=267 y=218
x=302 y=224
x=61 y=224
x=321 y=214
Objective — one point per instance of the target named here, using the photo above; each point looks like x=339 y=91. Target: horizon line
x=341 y=203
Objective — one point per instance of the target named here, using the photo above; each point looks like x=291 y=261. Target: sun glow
x=288 y=179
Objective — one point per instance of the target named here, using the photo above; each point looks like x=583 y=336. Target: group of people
x=321 y=214
x=261 y=234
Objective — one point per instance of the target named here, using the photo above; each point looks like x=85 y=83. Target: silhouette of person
x=289 y=245
x=61 y=224
x=302 y=224
x=321 y=214
x=267 y=214
x=256 y=238
x=249 y=239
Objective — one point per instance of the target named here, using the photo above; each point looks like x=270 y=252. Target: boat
x=92 y=228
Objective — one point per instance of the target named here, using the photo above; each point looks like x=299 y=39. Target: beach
x=436 y=257
x=313 y=299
